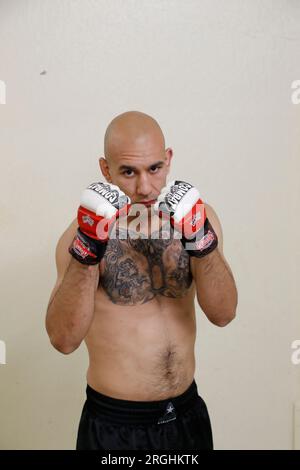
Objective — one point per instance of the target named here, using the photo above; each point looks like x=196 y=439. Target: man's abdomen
x=142 y=353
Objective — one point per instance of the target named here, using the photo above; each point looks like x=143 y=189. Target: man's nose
x=143 y=186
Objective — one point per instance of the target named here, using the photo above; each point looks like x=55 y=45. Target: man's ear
x=105 y=169
x=169 y=155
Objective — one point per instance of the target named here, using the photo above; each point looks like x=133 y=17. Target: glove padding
x=182 y=203
x=100 y=206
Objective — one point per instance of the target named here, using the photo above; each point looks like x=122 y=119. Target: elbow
x=224 y=321
x=60 y=342
x=227 y=315
x=220 y=319
x=63 y=346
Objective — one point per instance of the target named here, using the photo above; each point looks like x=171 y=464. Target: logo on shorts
x=169 y=415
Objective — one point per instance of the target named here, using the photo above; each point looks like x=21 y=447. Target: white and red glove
x=182 y=203
x=101 y=205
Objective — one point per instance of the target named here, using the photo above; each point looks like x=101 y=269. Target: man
x=132 y=299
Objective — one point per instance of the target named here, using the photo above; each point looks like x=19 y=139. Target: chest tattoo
x=134 y=271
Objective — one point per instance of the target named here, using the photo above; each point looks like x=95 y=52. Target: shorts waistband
x=127 y=411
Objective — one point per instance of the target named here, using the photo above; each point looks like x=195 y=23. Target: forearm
x=216 y=290
x=71 y=310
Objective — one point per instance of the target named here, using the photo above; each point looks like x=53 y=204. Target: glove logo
x=195 y=218
x=86 y=219
x=177 y=192
x=81 y=249
x=205 y=242
x=105 y=191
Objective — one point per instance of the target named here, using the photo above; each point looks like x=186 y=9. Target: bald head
x=132 y=129
x=136 y=159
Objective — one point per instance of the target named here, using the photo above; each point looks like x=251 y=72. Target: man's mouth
x=147 y=203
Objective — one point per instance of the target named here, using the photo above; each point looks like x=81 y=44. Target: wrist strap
x=203 y=243
x=86 y=250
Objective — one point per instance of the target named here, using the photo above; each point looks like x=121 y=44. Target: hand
x=182 y=203
x=101 y=205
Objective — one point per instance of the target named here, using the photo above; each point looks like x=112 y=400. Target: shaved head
x=135 y=158
x=132 y=129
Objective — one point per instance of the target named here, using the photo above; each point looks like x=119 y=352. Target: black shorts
x=176 y=423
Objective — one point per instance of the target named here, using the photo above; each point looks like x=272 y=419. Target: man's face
x=141 y=172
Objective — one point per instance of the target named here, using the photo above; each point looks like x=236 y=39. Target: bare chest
x=135 y=271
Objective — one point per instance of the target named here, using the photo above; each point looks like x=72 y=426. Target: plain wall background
x=217 y=77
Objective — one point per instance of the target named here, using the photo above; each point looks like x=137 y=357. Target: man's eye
x=130 y=172
x=155 y=168
x=126 y=172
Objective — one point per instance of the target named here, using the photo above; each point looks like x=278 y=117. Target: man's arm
x=71 y=305
x=216 y=290
x=78 y=255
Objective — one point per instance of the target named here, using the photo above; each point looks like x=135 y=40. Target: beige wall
x=217 y=76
